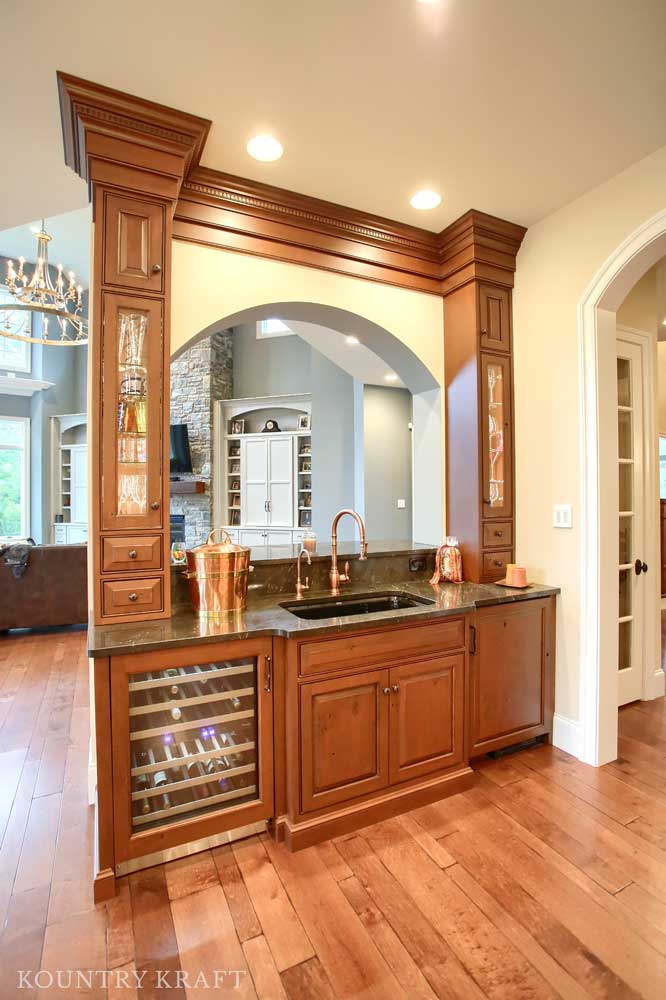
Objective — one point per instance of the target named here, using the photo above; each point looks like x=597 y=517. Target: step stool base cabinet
x=319 y=736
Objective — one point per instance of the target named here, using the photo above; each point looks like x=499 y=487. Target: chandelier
x=60 y=304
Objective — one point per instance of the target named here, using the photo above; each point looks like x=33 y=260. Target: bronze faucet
x=335 y=577
x=300 y=587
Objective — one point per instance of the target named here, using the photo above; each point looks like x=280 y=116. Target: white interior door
x=280 y=481
x=631 y=471
x=79 y=486
x=254 y=480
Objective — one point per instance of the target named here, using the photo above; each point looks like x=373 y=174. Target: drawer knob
x=499 y=563
x=157 y=268
x=133 y=596
x=155 y=505
x=499 y=534
x=132 y=553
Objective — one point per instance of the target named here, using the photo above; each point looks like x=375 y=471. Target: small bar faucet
x=300 y=587
x=335 y=577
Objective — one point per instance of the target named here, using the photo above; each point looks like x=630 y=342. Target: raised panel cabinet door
x=343 y=738
x=254 y=480
x=133 y=243
x=427 y=706
x=133 y=414
x=280 y=481
x=494 y=304
x=510 y=675
x=496 y=437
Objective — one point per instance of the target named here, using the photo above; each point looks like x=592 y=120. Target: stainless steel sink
x=354 y=604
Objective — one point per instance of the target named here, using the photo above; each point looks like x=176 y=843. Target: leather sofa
x=52 y=591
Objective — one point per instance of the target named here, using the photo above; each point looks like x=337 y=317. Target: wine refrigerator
x=193 y=744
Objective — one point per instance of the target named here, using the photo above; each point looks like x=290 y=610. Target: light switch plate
x=401 y=504
x=562 y=515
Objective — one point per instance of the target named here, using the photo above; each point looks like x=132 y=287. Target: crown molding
x=479 y=246
x=89 y=110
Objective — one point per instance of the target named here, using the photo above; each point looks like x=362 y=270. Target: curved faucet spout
x=335 y=577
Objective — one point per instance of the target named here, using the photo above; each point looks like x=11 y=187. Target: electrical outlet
x=417 y=564
x=401 y=504
x=562 y=515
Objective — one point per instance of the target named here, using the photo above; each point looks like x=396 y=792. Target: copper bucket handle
x=224 y=532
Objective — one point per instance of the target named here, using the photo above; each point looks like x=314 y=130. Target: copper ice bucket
x=217 y=574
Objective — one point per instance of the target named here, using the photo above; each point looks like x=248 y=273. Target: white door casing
x=597 y=326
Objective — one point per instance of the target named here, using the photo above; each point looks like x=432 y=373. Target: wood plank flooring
x=546 y=879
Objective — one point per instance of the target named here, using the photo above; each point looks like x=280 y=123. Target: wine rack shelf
x=192 y=740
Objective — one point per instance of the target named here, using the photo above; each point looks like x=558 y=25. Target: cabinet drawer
x=351 y=652
x=143 y=552
x=497 y=534
x=131 y=597
x=494 y=565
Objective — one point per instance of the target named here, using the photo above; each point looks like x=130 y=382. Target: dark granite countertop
x=265 y=616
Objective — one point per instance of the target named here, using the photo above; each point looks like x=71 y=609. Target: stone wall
x=199 y=376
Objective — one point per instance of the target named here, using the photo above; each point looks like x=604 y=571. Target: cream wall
x=558 y=260
x=209 y=285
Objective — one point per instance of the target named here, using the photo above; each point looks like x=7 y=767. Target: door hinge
x=268 y=678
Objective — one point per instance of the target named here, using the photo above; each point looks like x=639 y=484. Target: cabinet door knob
x=396 y=688
x=499 y=563
x=157 y=268
x=155 y=505
x=133 y=596
x=386 y=690
x=132 y=553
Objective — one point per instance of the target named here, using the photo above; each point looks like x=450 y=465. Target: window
x=14 y=354
x=273 y=328
x=14 y=477
x=662 y=467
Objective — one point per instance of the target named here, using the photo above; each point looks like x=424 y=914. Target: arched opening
x=372 y=408
x=597 y=318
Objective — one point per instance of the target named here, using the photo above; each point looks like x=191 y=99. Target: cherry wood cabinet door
x=134 y=233
x=343 y=738
x=511 y=674
x=496 y=437
x=494 y=305
x=427 y=706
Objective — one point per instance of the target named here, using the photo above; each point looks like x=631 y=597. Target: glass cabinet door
x=193 y=747
x=496 y=436
x=132 y=413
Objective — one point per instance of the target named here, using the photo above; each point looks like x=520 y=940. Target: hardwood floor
x=547 y=879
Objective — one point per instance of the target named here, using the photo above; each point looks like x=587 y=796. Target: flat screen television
x=180 y=459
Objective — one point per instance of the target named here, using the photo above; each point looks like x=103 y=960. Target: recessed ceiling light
x=425 y=199
x=265 y=148
x=391 y=377
x=352 y=340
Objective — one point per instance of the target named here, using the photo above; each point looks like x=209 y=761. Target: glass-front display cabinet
x=192 y=744
x=496 y=436
x=132 y=441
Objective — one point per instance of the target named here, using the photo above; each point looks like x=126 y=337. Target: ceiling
x=513 y=108
x=357 y=359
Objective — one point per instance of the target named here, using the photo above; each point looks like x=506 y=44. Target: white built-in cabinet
x=69 y=493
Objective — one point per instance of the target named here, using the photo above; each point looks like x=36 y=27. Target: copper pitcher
x=217 y=573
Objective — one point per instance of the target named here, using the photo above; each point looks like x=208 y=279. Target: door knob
x=396 y=688
x=640 y=567
x=386 y=690
x=157 y=268
x=155 y=505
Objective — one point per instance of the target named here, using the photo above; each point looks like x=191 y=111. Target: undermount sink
x=354 y=604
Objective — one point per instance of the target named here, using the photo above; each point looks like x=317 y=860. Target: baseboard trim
x=307 y=832
x=567 y=734
x=656 y=687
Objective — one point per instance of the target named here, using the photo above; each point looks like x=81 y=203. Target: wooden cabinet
x=426 y=721
x=134 y=250
x=511 y=674
x=343 y=738
x=479 y=427
x=494 y=309
x=192 y=744
x=374 y=725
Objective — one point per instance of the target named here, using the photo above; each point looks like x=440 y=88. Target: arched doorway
x=597 y=324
